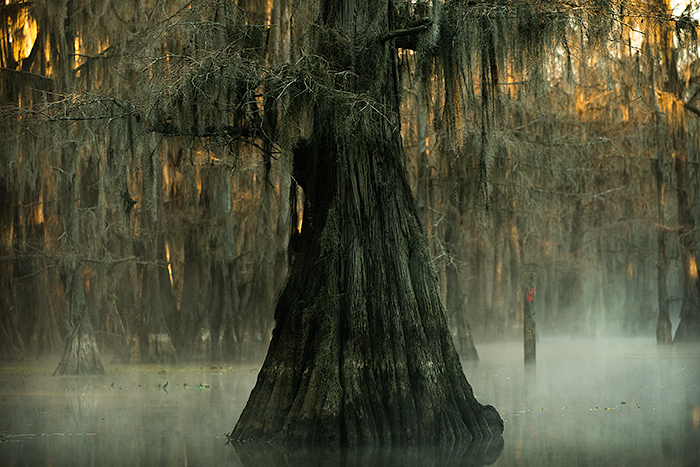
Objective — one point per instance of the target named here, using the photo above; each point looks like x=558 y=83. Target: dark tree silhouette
x=362 y=351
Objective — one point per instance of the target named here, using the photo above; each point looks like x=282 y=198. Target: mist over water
x=594 y=402
x=586 y=402
x=132 y=416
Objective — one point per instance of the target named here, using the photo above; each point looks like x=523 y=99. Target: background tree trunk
x=455 y=297
x=154 y=343
x=689 y=326
x=223 y=311
x=80 y=355
x=663 y=327
x=571 y=298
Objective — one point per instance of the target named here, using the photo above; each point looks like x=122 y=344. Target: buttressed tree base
x=362 y=351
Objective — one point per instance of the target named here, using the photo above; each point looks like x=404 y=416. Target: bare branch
x=27 y=73
x=692 y=108
x=407 y=34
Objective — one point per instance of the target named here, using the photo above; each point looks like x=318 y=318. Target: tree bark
x=516 y=260
x=689 y=326
x=478 y=281
x=154 y=343
x=223 y=300
x=80 y=355
x=423 y=176
x=529 y=322
x=572 y=295
x=455 y=297
x=362 y=351
x=194 y=337
x=663 y=325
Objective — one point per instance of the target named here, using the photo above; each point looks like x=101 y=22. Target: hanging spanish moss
x=179 y=178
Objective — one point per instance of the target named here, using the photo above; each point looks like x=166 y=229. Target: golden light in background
x=23 y=35
x=693 y=268
x=170 y=266
x=77 y=43
x=38 y=210
x=198 y=177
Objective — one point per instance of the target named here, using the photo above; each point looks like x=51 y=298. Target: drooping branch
x=692 y=108
x=27 y=74
x=406 y=37
x=168 y=128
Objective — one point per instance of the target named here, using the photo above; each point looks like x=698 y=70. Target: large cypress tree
x=362 y=351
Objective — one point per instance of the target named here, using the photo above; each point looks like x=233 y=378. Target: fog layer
x=585 y=402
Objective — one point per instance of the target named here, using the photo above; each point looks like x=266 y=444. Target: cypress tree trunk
x=499 y=318
x=572 y=297
x=689 y=326
x=223 y=300
x=154 y=342
x=663 y=325
x=478 y=281
x=11 y=343
x=516 y=261
x=455 y=297
x=123 y=284
x=361 y=352
x=80 y=355
x=660 y=168
x=194 y=329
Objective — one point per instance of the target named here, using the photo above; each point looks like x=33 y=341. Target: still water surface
x=608 y=402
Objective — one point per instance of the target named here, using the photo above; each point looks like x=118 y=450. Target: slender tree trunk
x=122 y=289
x=664 y=330
x=455 y=297
x=154 y=341
x=498 y=320
x=572 y=294
x=663 y=325
x=478 y=283
x=223 y=300
x=529 y=321
x=194 y=330
x=362 y=351
x=34 y=299
x=689 y=326
x=11 y=342
x=80 y=355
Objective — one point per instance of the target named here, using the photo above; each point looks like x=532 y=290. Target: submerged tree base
x=160 y=349
x=362 y=351
x=81 y=356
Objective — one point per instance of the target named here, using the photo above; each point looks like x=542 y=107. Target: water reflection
x=603 y=402
x=129 y=417
x=475 y=454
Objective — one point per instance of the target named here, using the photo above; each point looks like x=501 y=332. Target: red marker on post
x=529 y=330
x=530 y=293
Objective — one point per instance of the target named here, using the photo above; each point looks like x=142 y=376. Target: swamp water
x=603 y=402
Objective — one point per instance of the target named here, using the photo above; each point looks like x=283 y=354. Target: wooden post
x=529 y=329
